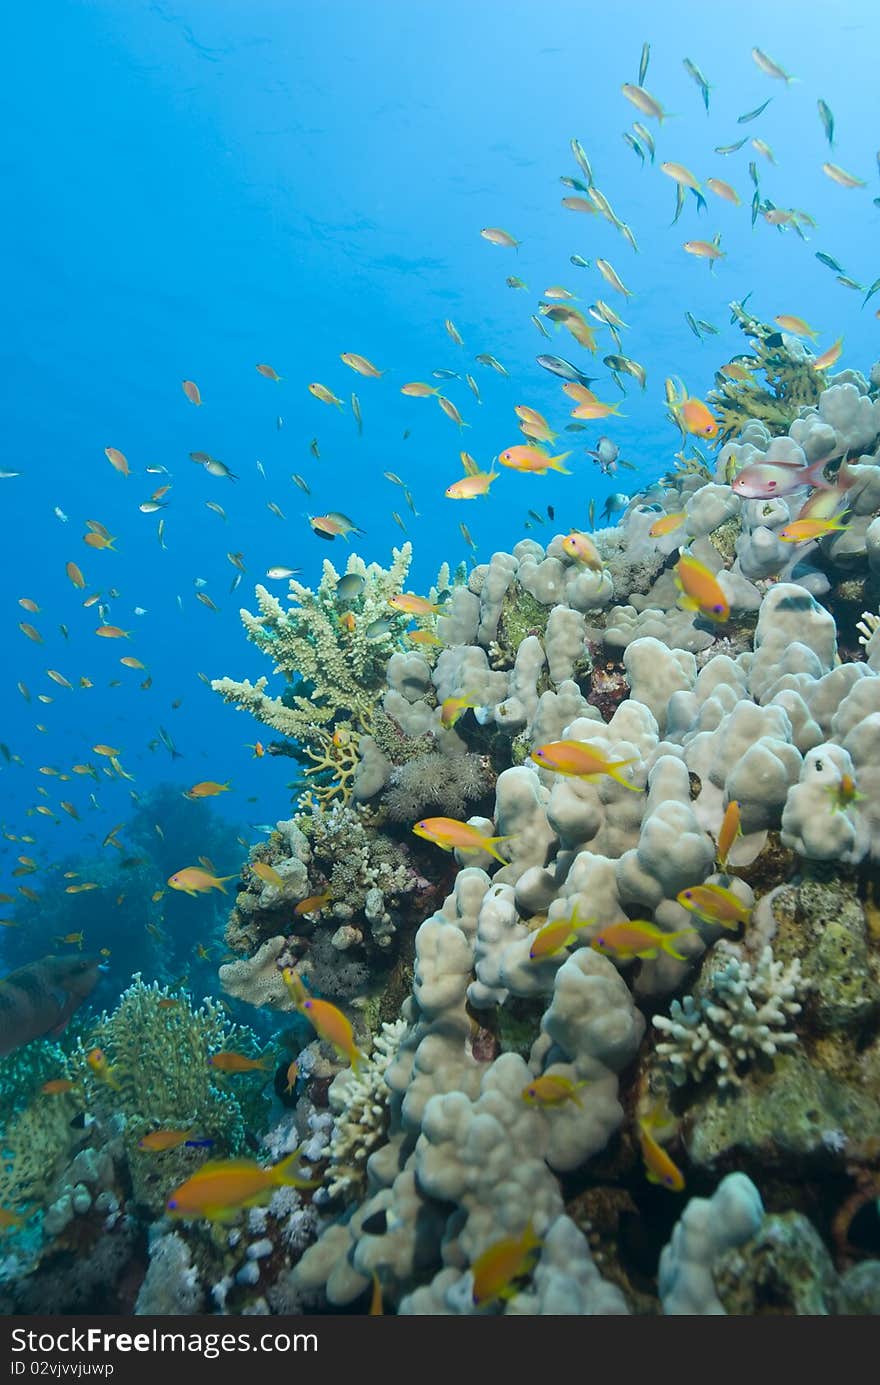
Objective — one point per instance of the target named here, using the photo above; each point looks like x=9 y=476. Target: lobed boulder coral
x=762 y=1047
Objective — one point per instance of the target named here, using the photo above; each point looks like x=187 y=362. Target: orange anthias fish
x=268 y=873
x=192 y=392
x=730 y=829
x=117 y=460
x=75 y=575
x=194 y=880
x=496 y=1271
x=553 y=937
x=581 y=760
x=659 y=1168
x=533 y=459
x=829 y=357
x=667 y=524
x=802 y=530
x=268 y=372
x=469 y=487
x=331 y=1024
x=581 y=548
x=845 y=793
x=206 y=789
x=453 y=708
x=97 y=1061
x=312 y=904
x=638 y=938
x=552 y=1089
x=159 y=1140
x=452 y=835
x=113 y=632
x=698 y=419
x=57 y=1086
x=715 y=904
x=413 y=605
x=239 y=1062
x=223 y=1186
x=699 y=589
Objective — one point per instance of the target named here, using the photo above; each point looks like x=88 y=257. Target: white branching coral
x=868 y=625
x=360 y=1101
x=742 y=1014
x=326 y=642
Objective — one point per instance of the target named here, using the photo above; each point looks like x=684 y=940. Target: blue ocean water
x=194 y=188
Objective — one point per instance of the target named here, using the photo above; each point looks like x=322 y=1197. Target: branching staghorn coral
x=790 y=383
x=335 y=669
x=741 y=1015
x=360 y=1101
x=157 y=1047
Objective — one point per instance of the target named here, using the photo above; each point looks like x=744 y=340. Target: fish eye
x=688 y=894
x=172 y=1203
x=718 y=608
x=772 y=485
x=668 y=1180
x=819 y=766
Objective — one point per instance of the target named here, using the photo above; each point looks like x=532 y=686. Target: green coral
x=333 y=673
x=521 y=615
x=790 y=384
x=35 y=1134
x=160 y=1078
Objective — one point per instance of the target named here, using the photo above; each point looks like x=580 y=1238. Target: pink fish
x=763 y=480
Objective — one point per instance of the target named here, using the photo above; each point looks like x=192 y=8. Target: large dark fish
x=40 y=998
x=557 y=365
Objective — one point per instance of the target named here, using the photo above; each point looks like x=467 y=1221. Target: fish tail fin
x=555 y=463
x=814 y=474
x=284 y=1172
x=489 y=846
x=618 y=778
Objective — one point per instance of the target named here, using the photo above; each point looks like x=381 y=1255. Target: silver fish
x=557 y=365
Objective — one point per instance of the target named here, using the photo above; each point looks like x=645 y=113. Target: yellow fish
x=268 y=873
x=796 y=326
x=533 y=459
x=581 y=548
x=223 y=1186
x=829 y=357
x=667 y=524
x=360 y=364
x=417 y=389
x=730 y=829
x=580 y=760
x=452 y=835
x=331 y=1024
x=97 y=1061
x=699 y=589
x=802 y=530
x=206 y=789
x=194 y=880
x=496 y=1271
x=715 y=904
x=659 y=1168
x=469 y=487
x=326 y=396
x=553 y=937
x=638 y=938
x=552 y=1089
x=413 y=605
x=454 y=707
